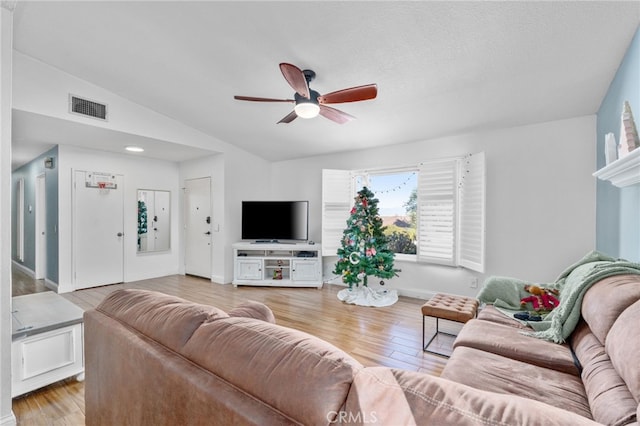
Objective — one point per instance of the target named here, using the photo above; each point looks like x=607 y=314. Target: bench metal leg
x=425 y=347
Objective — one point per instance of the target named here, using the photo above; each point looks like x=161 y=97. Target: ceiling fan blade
x=353 y=94
x=289 y=118
x=335 y=115
x=251 y=98
x=296 y=79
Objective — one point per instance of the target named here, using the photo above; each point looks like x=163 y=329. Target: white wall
x=6 y=30
x=246 y=177
x=540 y=199
x=139 y=173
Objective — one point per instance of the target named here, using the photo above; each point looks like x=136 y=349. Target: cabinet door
x=305 y=270
x=249 y=269
x=45 y=358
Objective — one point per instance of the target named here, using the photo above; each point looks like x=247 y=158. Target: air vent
x=87 y=108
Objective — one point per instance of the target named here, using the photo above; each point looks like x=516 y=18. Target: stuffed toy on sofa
x=541 y=298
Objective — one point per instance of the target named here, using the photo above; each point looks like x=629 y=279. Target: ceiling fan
x=309 y=103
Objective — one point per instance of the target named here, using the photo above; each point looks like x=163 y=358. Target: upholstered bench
x=445 y=306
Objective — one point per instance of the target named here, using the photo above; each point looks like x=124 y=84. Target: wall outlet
x=473 y=282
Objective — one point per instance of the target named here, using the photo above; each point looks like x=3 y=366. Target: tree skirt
x=365 y=296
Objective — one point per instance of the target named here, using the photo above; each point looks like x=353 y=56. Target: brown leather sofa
x=154 y=359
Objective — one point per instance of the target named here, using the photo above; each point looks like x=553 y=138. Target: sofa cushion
x=252 y=309
x=166 y=319
x=605 y=301
x=495 y=373
x=492 y=314
x=298 y=374
x=134 y=380
x=623 y=347
x=510 y=342
x=609 y=398
x=386 y=396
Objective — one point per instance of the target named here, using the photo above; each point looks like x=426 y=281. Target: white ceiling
x=441 y=67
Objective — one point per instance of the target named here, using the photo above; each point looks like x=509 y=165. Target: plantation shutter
x=437 y=211
x=472 y=212
x=337 y=198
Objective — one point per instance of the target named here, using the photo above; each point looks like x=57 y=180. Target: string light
x=398 y=187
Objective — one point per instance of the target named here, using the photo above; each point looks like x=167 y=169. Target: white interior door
x=98 y=241
x=41 y=221
x=197 y=257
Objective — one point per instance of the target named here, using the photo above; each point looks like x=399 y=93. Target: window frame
x=466 y=183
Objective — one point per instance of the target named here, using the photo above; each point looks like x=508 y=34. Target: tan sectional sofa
x=595 y=374
x=154 y=359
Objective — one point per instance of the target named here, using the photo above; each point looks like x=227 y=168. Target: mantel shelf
x=623 y=172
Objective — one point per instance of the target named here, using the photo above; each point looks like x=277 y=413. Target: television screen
x=275 y=220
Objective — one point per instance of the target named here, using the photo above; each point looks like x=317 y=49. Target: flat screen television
x=272 y=221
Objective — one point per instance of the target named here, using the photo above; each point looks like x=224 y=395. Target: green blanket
x=505 y=293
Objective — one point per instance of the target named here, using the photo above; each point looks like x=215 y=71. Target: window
x=444 y=209
x=396 y=191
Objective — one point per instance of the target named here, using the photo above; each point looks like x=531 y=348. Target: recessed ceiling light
x=134 y=149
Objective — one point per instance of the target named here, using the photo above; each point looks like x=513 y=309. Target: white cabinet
x=305 y=270
x=249 y=269
x=44 y=358
x=47 y=341
x=277 y=265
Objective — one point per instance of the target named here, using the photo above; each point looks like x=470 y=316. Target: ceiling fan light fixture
x=307 y=109
x=309 y=103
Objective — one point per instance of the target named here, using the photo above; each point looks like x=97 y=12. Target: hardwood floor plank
x=22 y=283
x=388 y=336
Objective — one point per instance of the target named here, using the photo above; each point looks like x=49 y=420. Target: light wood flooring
x=389 y=336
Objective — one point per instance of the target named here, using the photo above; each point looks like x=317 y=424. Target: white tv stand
x=277 y=264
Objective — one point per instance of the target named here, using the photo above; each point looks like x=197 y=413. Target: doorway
x=41 y=226
x=98 y=224
x=197 y=202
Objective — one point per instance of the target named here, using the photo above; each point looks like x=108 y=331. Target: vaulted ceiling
x=441 y=67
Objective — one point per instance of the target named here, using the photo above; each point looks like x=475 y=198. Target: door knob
x=207 y=233
x=119 y=234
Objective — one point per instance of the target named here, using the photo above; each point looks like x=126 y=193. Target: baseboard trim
x=51 y=285
x=416 y=294
x=47 y=282
x=24 y=269
x=218 y=279
x=8 y=420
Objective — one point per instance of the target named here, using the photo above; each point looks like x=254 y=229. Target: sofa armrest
x=252 y=309
x=391 y=396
